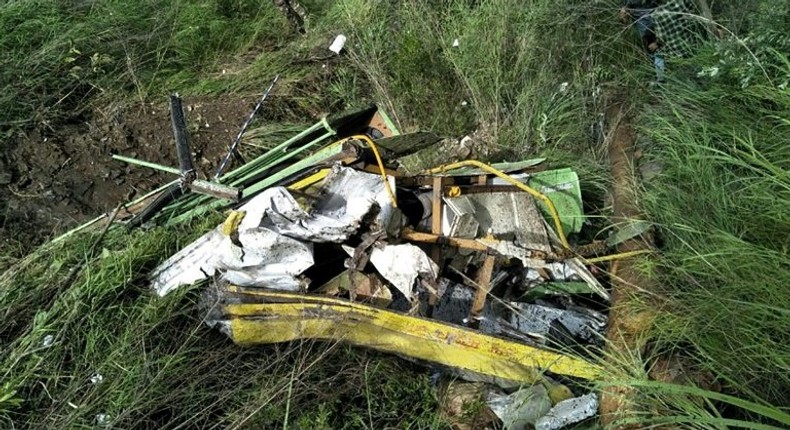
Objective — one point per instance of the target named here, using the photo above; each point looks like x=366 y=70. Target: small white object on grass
x=102 y=419
x=48 y=341
x=337 y=44
x=456 y=43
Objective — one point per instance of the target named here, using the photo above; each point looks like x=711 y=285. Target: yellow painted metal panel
x=290 y=317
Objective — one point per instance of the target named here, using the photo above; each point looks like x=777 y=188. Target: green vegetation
x=722 y=206
x=94 y=347
x=58 y=55
x=526 y=77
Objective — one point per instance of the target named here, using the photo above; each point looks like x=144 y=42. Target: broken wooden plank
x=483 y=279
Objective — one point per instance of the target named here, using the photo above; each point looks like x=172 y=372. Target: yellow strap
x=372 y=145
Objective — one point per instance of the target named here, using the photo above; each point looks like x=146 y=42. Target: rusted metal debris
x=469 y=266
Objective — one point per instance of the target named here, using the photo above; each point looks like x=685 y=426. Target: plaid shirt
x=676 y=28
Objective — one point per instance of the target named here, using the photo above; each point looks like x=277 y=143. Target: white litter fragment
x=337 y=44
x=568 y=412
x=402 y=264
x=102 y=419
x=47 y=341
x=456 y=43
x=96 y=378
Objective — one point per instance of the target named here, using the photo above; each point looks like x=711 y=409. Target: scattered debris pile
x=467 y=266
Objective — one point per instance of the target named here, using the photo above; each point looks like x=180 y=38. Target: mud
x=51 y=180
x=628 y=319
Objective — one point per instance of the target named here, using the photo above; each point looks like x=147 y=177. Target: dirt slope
x=53 y=179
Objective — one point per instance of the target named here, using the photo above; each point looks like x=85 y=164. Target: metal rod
x=232 y=147
x=103 y=216
x=285 y=157
x=203 y=206
x=147 y=164
x=181 y=136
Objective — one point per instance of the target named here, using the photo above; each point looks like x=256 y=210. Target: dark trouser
x=643 y=20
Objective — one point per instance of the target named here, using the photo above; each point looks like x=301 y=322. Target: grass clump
x=103 y=350
x=721 y=205
x=57 y=56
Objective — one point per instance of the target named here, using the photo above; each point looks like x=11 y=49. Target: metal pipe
x=214 y=189
x=103 y=216
x=277 y=150
x=285 y=157
x=197 y=185
x=181 y=136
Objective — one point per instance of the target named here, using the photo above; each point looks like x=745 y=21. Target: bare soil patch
x=51 y=180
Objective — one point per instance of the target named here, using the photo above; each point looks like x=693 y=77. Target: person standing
x=641 y=12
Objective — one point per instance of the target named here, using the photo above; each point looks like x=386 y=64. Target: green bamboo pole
x=147 y=164
x=274 y=152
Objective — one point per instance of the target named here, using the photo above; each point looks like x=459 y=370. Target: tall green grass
x=94 y=348
x=722 y=207
x=57 y=56
x=523 y=73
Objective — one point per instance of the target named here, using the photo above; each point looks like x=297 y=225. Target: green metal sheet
x=562 y=187
x=549 y=289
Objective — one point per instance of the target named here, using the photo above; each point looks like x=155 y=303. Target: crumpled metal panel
x=275 y=235
x=537 y=319
x=348 y=196
x=506 y=215
x=402 y=264
x=267 y=259
x=567 y=412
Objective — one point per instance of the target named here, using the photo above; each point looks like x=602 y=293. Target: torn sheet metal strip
x=291 y=317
